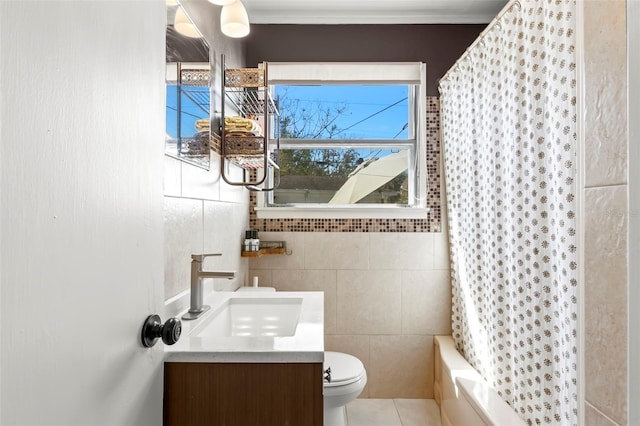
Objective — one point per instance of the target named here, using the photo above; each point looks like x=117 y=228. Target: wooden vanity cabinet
x=243 y=394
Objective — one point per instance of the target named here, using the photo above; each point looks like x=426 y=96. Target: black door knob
x=153 y=329
x=171 y=331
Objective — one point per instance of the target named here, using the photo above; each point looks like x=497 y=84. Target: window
x=351 y=140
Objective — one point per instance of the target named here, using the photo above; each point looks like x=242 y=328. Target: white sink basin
x=286 y=326
x=253 y=317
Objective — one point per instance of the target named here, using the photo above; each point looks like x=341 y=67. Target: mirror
x=188 y=89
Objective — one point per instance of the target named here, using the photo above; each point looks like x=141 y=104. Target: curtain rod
x=495 y=21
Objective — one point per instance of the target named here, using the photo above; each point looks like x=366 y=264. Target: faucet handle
x=200 y=257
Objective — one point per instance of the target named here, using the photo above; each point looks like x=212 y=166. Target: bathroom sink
x=253 y=317
x=276 y=326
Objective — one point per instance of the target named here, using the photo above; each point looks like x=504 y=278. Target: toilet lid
x=345 y=369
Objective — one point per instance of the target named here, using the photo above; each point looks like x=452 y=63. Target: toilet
x=342 y=385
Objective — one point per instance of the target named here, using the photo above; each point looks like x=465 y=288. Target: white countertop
x=306 y=345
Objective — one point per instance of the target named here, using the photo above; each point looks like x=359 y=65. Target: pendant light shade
x=184 y=26
x=221 y=2
x=234 y=20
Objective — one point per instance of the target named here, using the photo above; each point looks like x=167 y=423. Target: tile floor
x=393 y=412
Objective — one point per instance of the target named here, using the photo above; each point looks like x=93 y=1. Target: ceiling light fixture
x=184 y=26
x=234 y=21
x=221 y=2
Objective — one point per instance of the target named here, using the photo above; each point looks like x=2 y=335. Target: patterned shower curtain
x=509 y=130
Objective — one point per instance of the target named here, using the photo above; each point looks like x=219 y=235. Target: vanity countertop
x=306 y=345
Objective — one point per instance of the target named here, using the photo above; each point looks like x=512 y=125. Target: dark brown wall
x=437 y=45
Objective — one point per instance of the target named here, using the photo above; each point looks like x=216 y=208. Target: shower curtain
x=509 y=131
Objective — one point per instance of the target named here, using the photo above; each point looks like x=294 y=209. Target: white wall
x=81 y=232
x=633 y=54
x=1 y=169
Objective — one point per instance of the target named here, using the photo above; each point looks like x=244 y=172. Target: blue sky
x=369 y=112
x=190 y=112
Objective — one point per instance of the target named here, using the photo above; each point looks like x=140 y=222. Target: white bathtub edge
x=488 y=404
x=465 y=394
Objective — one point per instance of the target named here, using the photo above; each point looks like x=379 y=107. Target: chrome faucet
x=197 y=274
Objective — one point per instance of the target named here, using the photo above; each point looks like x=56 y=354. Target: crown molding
x=376 y=11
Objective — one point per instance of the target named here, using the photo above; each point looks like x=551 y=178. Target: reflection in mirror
x=188 y=84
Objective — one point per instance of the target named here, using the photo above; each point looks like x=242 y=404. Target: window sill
x=333 y=212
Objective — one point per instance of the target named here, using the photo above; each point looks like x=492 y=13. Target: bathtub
x=463 y=395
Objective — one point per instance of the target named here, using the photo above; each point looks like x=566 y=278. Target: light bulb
x=234 y=20
x=221 y=2
x=184 y=26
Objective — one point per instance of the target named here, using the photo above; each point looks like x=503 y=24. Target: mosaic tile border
x=431 y=224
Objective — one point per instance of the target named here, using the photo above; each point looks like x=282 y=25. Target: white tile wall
x=369 y=302
x=197 y=221
x=402 y=251
x=605 y=103
x=183 y=235
x=336 y=251
x=426 y=302
x=224 y=226
x=172 y=177
x=386 y=296
x=606 y=212
x=199 y=183
x=401 y=366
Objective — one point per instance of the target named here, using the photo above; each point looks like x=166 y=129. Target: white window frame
x=292 y=73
